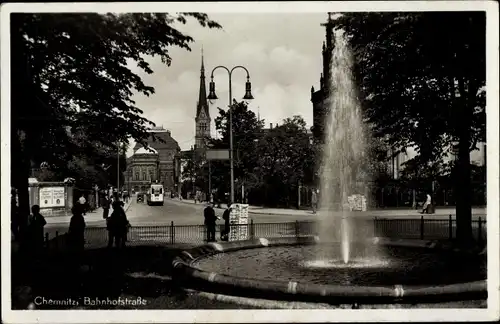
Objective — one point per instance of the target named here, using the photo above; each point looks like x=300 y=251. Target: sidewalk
x=440 y=211
x=90 y=217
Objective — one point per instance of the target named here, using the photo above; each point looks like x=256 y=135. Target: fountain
x=341 y=261
x=344 y=146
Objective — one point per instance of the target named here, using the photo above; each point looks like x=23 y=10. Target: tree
x=424 y=92
x=71 y=73
x=286 y=160
x=246 y=130
x=193 y=172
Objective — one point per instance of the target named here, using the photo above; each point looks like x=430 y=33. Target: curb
x=186 y=272
x=259 y=302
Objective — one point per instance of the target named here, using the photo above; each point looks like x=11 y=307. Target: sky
x=281 y=51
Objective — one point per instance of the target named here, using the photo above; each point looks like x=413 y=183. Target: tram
x=156 y=194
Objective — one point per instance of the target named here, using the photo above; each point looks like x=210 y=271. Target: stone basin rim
x=184 y=268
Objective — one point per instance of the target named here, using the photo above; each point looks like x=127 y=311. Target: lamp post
x=213 y=96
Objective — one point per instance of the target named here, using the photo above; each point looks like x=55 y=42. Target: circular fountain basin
x=380 y=271
x=323 y=264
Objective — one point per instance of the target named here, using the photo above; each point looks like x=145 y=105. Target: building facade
x=320 y=97
x=142 y=168
x=160 y=161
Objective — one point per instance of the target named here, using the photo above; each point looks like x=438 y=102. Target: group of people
x=211 y=222
x=117 y=224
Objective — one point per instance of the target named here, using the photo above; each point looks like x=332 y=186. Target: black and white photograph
x=178 y=162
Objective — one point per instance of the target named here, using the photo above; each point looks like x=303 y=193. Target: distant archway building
x=161 y=161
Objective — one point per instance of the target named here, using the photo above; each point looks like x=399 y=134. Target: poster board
x=357 y=202
x=212 y=155
x=238 y=220
x=52 y=197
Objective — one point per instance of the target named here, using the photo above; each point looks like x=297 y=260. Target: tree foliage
x=269 y=163
x=71 y=74
x=422 y=79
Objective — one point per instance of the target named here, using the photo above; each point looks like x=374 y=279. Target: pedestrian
x=76 y=232
x=210 y=220
x=36 y=224
x=82 y=201
x=314 y=201
x=227 y=229
x=117 y=225
x=426 y=208
x=105 y=203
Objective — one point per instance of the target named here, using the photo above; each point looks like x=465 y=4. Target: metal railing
x=423 y=228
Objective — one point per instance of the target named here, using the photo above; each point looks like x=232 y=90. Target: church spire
x=202 y=99
x=202 y=62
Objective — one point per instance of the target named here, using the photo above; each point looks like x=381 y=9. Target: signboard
x=357 y=202
x=238 y=219
x=52 y=197
x=217 y=155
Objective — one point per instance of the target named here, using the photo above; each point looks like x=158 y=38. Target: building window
x=144 y=175
x=137 y=176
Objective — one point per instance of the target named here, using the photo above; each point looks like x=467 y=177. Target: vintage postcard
x=250 y=162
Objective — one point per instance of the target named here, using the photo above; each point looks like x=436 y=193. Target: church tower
x=202 y=119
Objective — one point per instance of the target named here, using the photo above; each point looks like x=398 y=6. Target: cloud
x=281 y=51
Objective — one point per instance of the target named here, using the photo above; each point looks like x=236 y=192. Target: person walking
x=210 y=220
x=314 y=201
x=427 y=205
x=117 y=225
x=227 y=229
x=36 y=224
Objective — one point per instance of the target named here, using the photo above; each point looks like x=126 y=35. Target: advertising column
x=238 y=220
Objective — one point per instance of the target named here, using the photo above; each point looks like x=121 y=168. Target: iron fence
x=423 y=228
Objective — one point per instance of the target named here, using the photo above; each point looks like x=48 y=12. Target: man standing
x=227 y=228
x=105 y=206
x=210 y=220
x=117 y=226
x=36 y=225
x=314 y=201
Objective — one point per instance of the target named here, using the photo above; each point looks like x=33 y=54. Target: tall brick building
x=320 y=97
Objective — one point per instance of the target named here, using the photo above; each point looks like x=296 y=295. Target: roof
x=143 y=150
x=158 y=129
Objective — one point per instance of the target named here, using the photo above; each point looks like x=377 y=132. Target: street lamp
x=213 y=96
